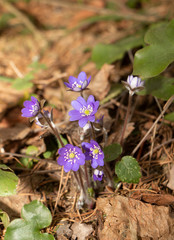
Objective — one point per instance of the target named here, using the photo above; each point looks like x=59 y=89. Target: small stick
x=166 y=106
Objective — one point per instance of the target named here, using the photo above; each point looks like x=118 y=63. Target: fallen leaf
x=100 y=84
x=81 y=230
x=126 y=218
x=171 y=178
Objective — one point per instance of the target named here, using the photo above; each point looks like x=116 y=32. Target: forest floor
x=59 y=35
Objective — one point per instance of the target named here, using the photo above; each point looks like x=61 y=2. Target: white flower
x=133 y=84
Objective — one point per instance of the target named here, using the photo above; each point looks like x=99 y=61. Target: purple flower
x=32 y=108
x=40 y=121
x=133 y=84
x=70 y=157
x=84 y=110
x=79 y=83
x=98 y=175
x=93 y=153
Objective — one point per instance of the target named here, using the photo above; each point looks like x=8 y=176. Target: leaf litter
x=134 y=211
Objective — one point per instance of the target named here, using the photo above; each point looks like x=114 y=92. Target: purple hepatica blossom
x=78 y=84
x=32 y=108
x=70 y=157
x=93 y=153
x=41 y=122
x=84 y=110
x=133 y=84
x=98 y=175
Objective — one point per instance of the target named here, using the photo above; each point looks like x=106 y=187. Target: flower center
x=71 y=155
x=95 y=151
x=79 y=86
x=86 y=111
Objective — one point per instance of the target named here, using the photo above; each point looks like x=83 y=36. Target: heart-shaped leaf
x=128 y=170
x=112 y=152
x=103 y=53
x=35 y=217
x=154 y=58
x=160 y=87
x=8 y=181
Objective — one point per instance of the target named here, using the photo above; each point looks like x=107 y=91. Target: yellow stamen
x=71 y=155
x=86 y=112
x=96 y=151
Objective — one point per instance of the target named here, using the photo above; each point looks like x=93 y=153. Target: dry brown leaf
x=100 y=84
x=81 y=230
x=171 y=178
x=158 y=199
x=130 y=219
x=20 y=131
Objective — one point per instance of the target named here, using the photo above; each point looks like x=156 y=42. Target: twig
x=158 y=147
x=126 y=14
x=58 y=193
x=166 y=106
x=46 y=160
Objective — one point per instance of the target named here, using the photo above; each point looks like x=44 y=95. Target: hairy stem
x=126 y=119
x=53 y=128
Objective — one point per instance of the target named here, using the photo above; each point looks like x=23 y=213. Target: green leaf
x=4 y=218
x=4 y=19
x=37 y=66
x=28 y=162
x=128 y=170
x=112 y=152
x=169 y=117
x=154 y=58
x=32 y=150
x=103 y=53
x=160 y=87
x=6 y=79
x=8 y=181
x=22 y=83
x=35 y=217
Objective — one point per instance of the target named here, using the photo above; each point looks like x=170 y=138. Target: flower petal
x=75 y=167
x=90 y=99
x=34 y=100
x=26 y=113
x=72 y=79
x=61 y=160
x=67 y=166
x=76 y=105
x=82 y=77
x=91 y=118
x=68 y=85
x=94 y=163
x=74 y=115
x=83 y=121
x=27 y=104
